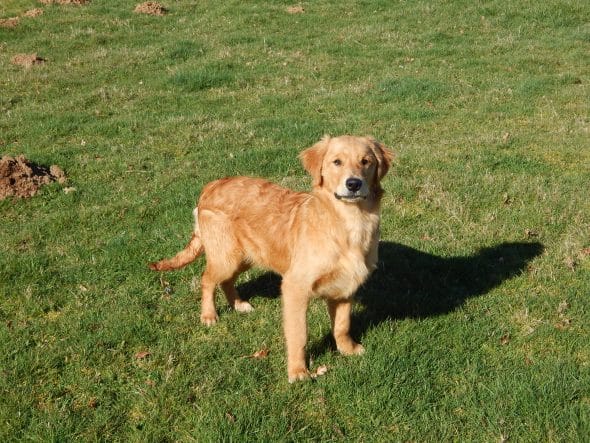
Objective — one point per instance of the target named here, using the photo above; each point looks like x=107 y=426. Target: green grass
x=476 y=322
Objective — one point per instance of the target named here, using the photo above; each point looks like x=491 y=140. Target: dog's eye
x=337 y=162
x=365 y=162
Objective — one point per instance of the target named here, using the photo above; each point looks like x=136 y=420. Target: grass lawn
x=476 y=324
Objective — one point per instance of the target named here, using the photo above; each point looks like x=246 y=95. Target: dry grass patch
x=295 y=9
x=151 y=8
x=9 y=22
x=64 y=2
x=27 y=60
x=35 y=12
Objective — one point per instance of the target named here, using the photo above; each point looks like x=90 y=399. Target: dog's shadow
x=409 y=283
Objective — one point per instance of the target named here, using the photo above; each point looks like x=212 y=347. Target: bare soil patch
x=151 y=8
x=64 y=2
x=21 y=178
x=35 y=12
x=295 y=9
x=27 y=60
x=9 y=22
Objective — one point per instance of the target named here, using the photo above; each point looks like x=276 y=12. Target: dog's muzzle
x=354 y=187
x=350 y=198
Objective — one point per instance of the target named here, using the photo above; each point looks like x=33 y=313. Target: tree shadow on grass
x=409 y=283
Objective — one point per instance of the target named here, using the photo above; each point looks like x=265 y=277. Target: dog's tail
x=184 y=257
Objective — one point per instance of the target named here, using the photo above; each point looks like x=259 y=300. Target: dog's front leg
x=295 y=301
x=340 y=315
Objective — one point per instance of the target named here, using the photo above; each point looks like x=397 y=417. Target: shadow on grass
x=414 y=284
x=409 y=283
x=267 y=285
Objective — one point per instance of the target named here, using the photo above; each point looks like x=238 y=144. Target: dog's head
x=348 y=167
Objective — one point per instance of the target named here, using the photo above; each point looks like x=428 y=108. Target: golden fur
x=323 y=243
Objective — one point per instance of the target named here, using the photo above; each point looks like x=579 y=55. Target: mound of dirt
x=35 y=12
x=22 y=178
x=27 y=60
x=9 y=22
x=296 y=9
x=152 y=8
x=64 y=2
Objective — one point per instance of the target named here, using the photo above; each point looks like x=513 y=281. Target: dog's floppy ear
x=312 y=159
x=384 y=156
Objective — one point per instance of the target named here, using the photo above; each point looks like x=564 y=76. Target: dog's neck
x=359 y=219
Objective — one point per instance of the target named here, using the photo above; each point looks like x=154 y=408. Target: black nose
x=353 y=184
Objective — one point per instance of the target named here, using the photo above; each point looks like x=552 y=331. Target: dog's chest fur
x=359 y=241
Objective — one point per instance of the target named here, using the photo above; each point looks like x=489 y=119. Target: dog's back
x=260 y=217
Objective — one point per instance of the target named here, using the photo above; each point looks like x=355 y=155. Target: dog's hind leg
x=225 y=261
x=223 y=273
x=208 y=283
x=232 y=296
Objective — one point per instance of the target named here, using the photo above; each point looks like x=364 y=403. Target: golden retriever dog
x=323 y=243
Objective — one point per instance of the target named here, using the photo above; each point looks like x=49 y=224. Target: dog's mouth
x=350 y=198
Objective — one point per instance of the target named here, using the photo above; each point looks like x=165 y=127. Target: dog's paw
x=209 y=319
x=298 y=375
x=351 y=348
x=358 y=349
x=243 y=306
